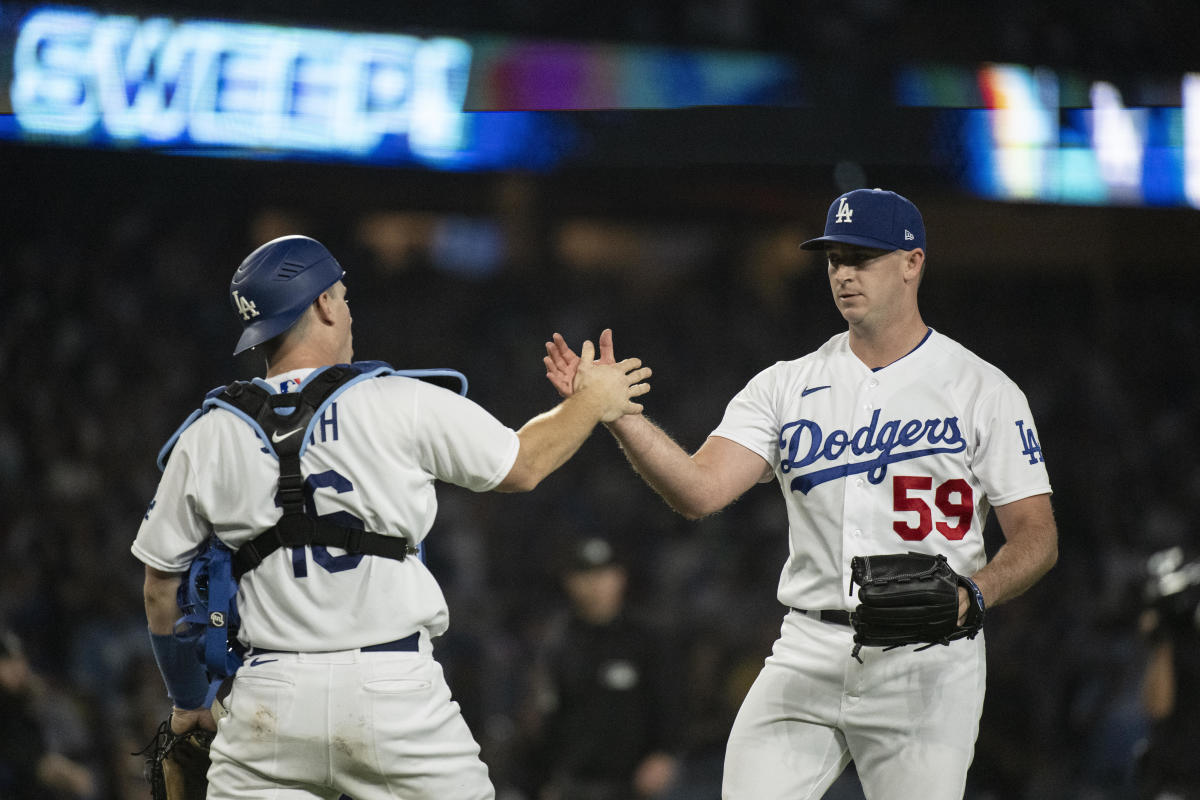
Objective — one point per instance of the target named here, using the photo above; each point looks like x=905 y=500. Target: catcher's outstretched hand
x=562 y=363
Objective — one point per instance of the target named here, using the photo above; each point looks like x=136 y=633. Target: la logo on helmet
x=245 y=307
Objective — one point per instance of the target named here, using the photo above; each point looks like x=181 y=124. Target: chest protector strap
x=285 y=418
x=283 y=422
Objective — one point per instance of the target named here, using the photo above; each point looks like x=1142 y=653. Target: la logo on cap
x=844 y=212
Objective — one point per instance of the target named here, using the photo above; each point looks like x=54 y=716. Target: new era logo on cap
x=872 y=218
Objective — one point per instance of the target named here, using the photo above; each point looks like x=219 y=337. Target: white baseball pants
x=375 y=726
x=908 y=720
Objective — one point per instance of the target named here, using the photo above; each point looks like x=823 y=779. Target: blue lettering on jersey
x=1030 y=443
x=328 y=425
x=805 y=444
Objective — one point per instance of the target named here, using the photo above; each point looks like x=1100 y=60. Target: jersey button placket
x=869 y=406
x=857 y=510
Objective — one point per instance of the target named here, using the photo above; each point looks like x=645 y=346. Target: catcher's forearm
x=187 y=684
x=159 y=591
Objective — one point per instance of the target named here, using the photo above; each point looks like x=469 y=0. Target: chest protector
x=284 y=422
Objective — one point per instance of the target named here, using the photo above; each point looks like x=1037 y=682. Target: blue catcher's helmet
x=276 y=283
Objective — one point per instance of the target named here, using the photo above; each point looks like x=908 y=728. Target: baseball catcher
x=309 y=462
x=911 y=598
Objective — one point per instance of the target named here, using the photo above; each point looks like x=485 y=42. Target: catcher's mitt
x=910 y=598
x=177 y=763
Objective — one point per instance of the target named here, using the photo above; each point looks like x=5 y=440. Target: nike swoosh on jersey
x=279 y=437
x=807 y=390
x=258 y=661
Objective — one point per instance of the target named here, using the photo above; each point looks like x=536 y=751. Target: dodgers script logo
x=805 y=444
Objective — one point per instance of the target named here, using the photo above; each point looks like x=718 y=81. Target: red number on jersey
x=964 y=509
x=953 y=498
x=901 y=486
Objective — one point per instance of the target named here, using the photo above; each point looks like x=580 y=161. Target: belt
x=833 y=617
x=409 y=644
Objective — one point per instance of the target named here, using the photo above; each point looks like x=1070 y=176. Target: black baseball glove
x=177 y=763
x=910 y=598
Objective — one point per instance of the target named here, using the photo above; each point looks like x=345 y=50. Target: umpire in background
x=604 y=709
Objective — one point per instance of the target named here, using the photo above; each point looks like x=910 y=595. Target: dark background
x=114 y=321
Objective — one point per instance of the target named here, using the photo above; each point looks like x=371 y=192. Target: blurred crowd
x=114 y=320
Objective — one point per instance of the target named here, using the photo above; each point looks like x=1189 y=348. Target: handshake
x=604 y=381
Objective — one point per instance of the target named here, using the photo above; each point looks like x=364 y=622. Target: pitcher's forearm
x=663 y=465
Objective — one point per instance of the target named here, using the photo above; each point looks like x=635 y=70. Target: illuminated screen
x=1034 y=134
x=110 y=79
x=251 y=90
x=77 y=77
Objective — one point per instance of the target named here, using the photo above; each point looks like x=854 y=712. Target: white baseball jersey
x=908 y=457
x=374 y=455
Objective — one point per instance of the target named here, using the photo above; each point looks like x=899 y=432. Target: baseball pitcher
x=891 y=443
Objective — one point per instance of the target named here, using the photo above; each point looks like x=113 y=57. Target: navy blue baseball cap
x=276 y=283
x=872 y=218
